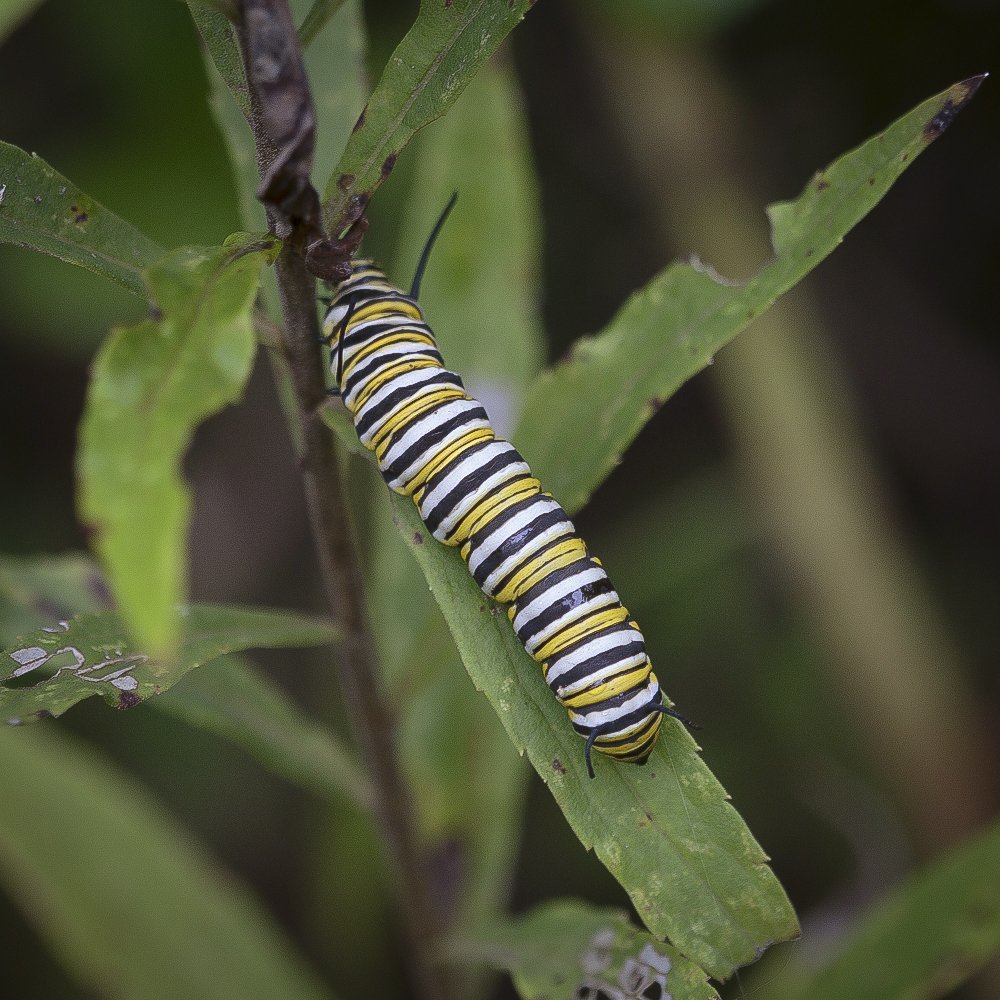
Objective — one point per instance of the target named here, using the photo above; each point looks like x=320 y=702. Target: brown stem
x=367 y=708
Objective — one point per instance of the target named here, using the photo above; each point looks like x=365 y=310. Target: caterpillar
x=433 y=443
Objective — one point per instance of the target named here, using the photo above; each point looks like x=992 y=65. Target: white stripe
x=555 y=592
x=427 y=424
x=471 y=499
x=562 y=529
x=417 y=379
x=400 y=483
x=376 y=363
x=536 y=639
x=594 y=720
x=564 y=662
x=489 y=543
x=468 y=465
x=597 y=676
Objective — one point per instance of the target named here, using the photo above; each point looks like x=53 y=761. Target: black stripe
x=519 y=539
x=449 y=467
x=578 y=598
x=505 y=580
x=360 y=333
x=385 y=358
x=373 y=414
x=431 y=438
x=619 y=726
x=467 y=486
x=635 y=716
x=599 y=662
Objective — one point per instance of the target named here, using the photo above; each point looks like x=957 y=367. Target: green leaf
x=130 y=904
x=13 y=12
x=335 y=63
x=583 y=413
x=564 y=948
x=476 y=291
x=319 y=15
x=48 y=671
x=42 y=589
x=151 y=385
x=481 y=290
x=232 y=699
x=929 y=936
x=41 y=210
x=431 y=66
x=220 y=38
x=666 y=831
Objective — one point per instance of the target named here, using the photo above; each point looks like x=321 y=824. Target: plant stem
x=367 y=709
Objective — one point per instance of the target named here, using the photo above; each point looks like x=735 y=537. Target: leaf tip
x=956 y=98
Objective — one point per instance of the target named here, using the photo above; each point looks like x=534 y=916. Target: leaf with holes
x=568 y=948
x=48 y=671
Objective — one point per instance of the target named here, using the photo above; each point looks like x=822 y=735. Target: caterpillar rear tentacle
x=434 y=443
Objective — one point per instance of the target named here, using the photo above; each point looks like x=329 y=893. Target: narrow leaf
x=13 y=12
x=666 y=831
x=234 y=700
x=928 y=937
x=583 y=413
x=219 y=36
x=48 y=671
x=129 y=903
x=41 y=210
x=317 y=19
x=570 y=949
x=151 y=385
x=429 y=69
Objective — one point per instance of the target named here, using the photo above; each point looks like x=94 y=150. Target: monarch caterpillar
x=434 y=443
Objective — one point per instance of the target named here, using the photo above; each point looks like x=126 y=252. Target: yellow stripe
x=373 y=346
x=494 y=503
x=466 y=440
x=475 y=436
x=400 y=368
x=593 y=623
x=497 y=503
x=537 y=567
x=414 y=409
x=380 y=309
x=614 y=686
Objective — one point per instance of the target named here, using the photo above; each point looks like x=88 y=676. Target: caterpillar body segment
x=434 y=443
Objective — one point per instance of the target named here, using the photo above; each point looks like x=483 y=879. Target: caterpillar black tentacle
x=433 y=443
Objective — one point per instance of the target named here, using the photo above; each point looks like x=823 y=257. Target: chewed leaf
x=583 y=413
x=568 y=948
x=151 y=385
x=48 y=671
x=41 y=210
x=666 y=831
x=431 y=66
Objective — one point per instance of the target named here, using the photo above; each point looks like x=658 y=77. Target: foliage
x=667 y=833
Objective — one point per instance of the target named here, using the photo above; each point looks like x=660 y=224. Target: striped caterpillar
x=433 y=443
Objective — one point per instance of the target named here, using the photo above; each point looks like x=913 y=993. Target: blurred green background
x=808 y=533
